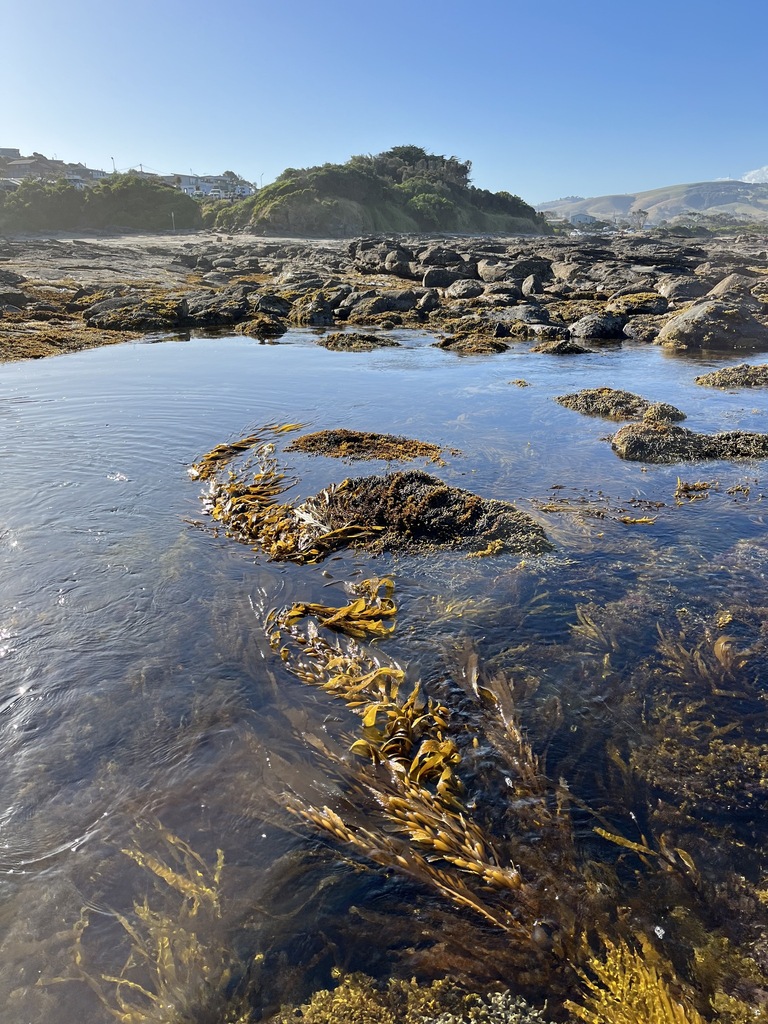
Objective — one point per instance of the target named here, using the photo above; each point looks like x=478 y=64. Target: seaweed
x=364 y=445
x=179 y=969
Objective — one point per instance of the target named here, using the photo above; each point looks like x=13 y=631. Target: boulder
x=714 y=325
x=665 y=443
x=599 y=325
x=464 y=289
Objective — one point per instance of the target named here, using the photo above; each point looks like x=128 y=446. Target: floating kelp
x=220 y=456
x=741 y=376
x=355 y=341
x=364 y=445
x=664 y=443
x=614 y=404
x=361 y=619
x=696 y=490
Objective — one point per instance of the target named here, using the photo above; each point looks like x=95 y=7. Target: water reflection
x=138 y=684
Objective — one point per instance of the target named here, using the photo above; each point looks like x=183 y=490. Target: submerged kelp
x=365 y=445
x=664 y=443
x=220 y=456
x=179 y=968
x=359 y=999
x=614 y=404
x=633 y=984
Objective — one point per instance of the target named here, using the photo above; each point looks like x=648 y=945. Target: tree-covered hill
x=404 y=189
x=120 y=201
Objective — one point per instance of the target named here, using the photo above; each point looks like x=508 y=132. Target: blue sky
x=547 y=99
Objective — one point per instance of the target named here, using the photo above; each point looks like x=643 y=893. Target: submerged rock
x=741 y=376
x=664 y=443
x=614 y=404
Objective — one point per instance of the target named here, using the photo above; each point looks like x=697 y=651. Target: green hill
x=402 y=190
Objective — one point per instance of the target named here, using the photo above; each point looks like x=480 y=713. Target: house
x=9 y=154
x=580 y=219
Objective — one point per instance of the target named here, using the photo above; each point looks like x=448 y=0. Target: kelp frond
x=178 y=968
x=361 y=619
x=217 y=458
x=632 y=984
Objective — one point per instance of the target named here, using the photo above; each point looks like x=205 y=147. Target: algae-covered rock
x=563 y=347
x=714 y=325
x=664 y=443
x=614 y=404
x=364 y=445
x=413 y=511
x=741 y=376
x=355 y=341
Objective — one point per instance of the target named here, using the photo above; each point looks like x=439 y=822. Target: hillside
x=404 y=189
x=734 y=199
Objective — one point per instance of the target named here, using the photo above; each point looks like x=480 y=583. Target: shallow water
x=137 y=684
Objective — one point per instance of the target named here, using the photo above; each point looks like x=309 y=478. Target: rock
x=263 y=325
x=216 y=309
x=736 y=287
x=742 y=376
x=614 y=404
x=412 y=511
x=599 y=325
x=312 y=311
x=644 y=327
x=137 y=313
x=354 y=341
x=473 y=345
x=635 y=303
x=428 y=301
x=492 y=269
x=439 y=256
x=274 y=305
x=682 y=288
x=714 y=325
x=440 y=277
x=564 y=347
x=464 y=289
x=664 y=443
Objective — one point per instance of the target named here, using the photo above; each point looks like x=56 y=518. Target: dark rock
x=263 y=325
x=440 y=277
x=312 y=311
x=274 y=305
x=564 y=347
x=215 y=309
x=599 y=325
x=635 y=303
x=137 y=313
x=682 y=289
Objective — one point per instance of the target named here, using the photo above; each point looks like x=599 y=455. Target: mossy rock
x=614 y=404
x=355 y=341
x=364 y=445
x=263 y=325
x=413 y=511
x=742 y=376
x=664 y=443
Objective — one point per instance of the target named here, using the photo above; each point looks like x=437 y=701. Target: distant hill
x=734 y=199
x=404 y=189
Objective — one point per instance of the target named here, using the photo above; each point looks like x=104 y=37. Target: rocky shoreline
x=477 y=295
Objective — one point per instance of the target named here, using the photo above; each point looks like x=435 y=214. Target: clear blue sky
x=547 y=99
